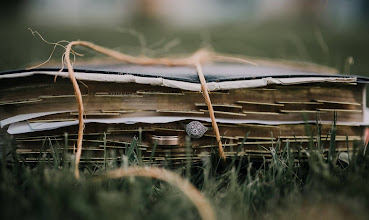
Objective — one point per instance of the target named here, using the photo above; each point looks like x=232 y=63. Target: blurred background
x=328 y=32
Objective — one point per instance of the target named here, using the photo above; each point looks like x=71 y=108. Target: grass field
x=308 y=185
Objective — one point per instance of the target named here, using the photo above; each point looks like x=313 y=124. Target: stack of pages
x=152 y=106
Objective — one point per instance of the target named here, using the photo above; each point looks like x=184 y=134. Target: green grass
x=321 y=187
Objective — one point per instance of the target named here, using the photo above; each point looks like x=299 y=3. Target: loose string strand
x=202 y=205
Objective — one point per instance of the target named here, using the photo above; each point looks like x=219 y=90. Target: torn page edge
x=212 y=86
x=26 y=127
x=24 y=117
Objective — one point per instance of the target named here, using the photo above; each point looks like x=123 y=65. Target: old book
x=155 y=103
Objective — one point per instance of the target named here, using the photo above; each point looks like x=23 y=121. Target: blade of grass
x=54 y=154
x=332 y=143
x=105 y=153
x=188 y=157
x=239 y=149
x=131 y=149
x=153 y=151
